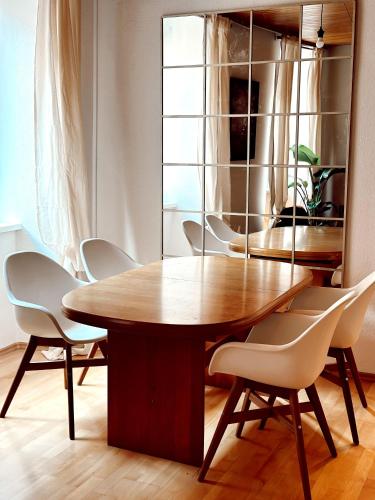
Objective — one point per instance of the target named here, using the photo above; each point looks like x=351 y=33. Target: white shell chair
x=316 y=299
x=220 y=229
x=102 y=259
x=213 y=246
x=35 y=285
x=279 y=370
x=336 y=279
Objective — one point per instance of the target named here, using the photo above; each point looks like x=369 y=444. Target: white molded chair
x=35 y=286
x=220 y=229
x=336 y=279
x=316 y=299
x=102 y=259
x=213 y=246
x=193 y=233
x=278 y=370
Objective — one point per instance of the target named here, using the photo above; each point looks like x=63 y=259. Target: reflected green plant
x=312 y=196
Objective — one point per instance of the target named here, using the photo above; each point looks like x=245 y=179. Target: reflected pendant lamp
x=320 y=41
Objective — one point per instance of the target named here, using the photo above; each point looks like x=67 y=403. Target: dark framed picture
x=239 y=99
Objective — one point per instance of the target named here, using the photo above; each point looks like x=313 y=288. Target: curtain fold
x=278 y=177
x=61 y=170
x=314 y=102
x=218 y=185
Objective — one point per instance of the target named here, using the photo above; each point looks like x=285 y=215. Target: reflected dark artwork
x=239 y=99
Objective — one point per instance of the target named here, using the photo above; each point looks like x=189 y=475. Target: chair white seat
x=83 y=334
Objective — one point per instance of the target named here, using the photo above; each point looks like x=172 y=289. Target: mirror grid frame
x=248 y=165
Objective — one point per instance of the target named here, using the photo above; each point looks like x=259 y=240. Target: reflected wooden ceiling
x=337 y=21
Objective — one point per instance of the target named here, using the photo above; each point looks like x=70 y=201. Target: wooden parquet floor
x=38 y=461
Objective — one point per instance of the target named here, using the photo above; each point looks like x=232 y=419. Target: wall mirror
x=256 y=120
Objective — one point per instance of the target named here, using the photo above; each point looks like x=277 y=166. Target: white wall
x=9 y=332
x=17 y=187
x=17 y=46
x=129 y=152
x=361 y=208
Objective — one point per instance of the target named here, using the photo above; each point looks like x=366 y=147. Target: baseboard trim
x=13 y=347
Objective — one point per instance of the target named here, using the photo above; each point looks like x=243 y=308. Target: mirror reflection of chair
x=316 y=299
x=336 y=279
x=102 y=259
x=35 y=286
x=193 y=233
x=280 y=371
x=220 y=229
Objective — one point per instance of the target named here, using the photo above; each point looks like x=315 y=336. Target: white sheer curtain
x=218 y=186
x=61 y=171
x=314 y=101
x=278 y=177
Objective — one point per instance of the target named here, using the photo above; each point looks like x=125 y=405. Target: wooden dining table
x=158 y=318
x=315 y=246
x=312 y=243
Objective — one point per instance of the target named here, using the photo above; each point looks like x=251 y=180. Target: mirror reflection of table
x=319 y=246
x=158 y=318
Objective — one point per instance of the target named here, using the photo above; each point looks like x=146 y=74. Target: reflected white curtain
x=314 y=78
x=278 y=177
x=61 y=171
x=218 y=185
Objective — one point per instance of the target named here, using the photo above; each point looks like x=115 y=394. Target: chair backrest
x=220 y=229
x=305 y=357
x=102 y=259
x=34 y=278
x=351 y=322
x=193 y=233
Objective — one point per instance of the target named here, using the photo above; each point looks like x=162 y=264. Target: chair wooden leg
x=319 y=413
x=353 y=368
x=30 y=349
x=271 y=402
x=347 y=396
x=103 y=346
x=69 y=376
x=297 y=424
x=65 y=380
x=229 y=408
x=90 y=355
x=245 y=406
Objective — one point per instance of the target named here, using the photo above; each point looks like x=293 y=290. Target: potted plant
x=312 y=196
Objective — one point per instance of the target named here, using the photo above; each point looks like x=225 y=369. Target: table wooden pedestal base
x=156 y=395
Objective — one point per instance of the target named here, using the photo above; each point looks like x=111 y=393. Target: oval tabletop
x=312 y=243
x=188 y=292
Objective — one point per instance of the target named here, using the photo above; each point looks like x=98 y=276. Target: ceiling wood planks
x=337 y=21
